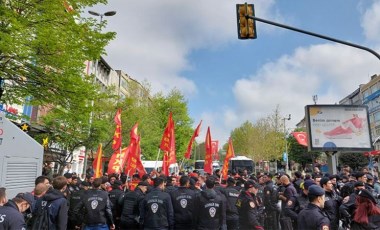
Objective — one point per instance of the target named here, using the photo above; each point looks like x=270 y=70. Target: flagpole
x=158 y=155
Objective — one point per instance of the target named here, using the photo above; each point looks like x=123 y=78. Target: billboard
x=338 y=128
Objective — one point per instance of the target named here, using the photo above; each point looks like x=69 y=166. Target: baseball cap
x=316 y=190
x=68 y=175
x=365 y=193
x=143 y=183
x=27 y=196
x=250 y=183
x=307 y=184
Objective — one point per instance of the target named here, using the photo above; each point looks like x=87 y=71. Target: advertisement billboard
x=338 y=128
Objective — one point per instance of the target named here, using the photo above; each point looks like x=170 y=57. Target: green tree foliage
x=299 y=153
x=43 y=48
x=354 y=160
x=263 y=140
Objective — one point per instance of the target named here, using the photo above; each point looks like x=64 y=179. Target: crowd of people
x=347 y=200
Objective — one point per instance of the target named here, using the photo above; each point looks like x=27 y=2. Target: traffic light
x=246 y=26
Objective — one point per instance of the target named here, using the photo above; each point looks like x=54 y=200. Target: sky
x=193 y=46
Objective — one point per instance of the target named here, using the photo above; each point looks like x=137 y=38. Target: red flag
x=140 y=168
x=97 y=164
x=117 y=161
x=208 y=155
x=229 y=154
x=301 y=138
x=166 y=137
x=168 y=146
x=134 y=154
x=116 y=144
x=190 y=146
x=214 y=147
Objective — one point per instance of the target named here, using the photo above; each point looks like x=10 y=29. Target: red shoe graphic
x=339 y=132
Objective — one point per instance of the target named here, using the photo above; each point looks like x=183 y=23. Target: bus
x=241 y=163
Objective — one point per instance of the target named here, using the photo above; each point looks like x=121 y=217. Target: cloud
x=326 y=70
x=155 y=38
x=371 y=22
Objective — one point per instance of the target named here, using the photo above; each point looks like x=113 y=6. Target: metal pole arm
x=315 y=35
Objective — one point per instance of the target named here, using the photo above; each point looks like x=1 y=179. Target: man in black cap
x=232 y=213
x=296 y=204
x=211 y=210
x=183 y=199
x=130 y=206
x=332 y=202
x=270 y=201
x=114 y=196
x=313 y=217
x=250 y=207
x=11 y=214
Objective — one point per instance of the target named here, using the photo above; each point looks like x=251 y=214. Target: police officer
x=332 y=202
x=75 y=198
x=211 y=210
x=313 y=217
x=232 y=213
x=97 y=207
x=183 y=199
x=250 y=207
x=130 y=206
x=11 y=216
x=156 y=210
x=272 y=210
x=114 y=196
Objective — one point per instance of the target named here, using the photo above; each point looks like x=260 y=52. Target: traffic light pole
x=314 y=34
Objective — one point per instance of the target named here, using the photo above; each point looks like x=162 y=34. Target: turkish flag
x=301 y=138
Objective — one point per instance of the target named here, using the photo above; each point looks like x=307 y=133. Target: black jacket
x=332 y=203
x=232 y=195
x=312 y=217
x=58 y=208
x=183 y=205
x=373 y=224
x=114 y=196
x=211 y=211
x=130 y=208
x=10 y=217
x=250 y=211
x=270 y=197
x=97 y=206
x=156 y=210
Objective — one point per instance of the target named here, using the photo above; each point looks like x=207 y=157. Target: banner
x=208 y=154
x=117 y=161
x=168 y=146
x=166 y=137
x=190 y=146
x=97 y=164
x=301 y=138
x=117 y=140
x=229 y=154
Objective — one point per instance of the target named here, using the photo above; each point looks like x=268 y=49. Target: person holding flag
x=168 y=146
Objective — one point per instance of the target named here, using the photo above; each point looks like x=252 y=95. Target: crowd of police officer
x=193 y=201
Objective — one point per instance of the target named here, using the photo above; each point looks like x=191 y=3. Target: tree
x=43 y=48
x=299 y=153
x=354 y=160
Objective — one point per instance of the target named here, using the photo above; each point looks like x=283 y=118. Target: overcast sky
x=193 y=46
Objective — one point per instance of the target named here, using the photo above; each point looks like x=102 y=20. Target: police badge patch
x=325 y=227
x=183 y=203
x=289 y=203
x=154 y=207
x=94 y=204
x=212 y=211
x=252 y=204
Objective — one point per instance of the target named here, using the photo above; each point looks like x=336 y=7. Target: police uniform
x=250 y=208
x=211 y=210
x=156 y=210
x=183 y=205
x=313 y=217
x=97 y=207
x=130 y=208
x=11 y=217
x=232 y=213
x=271 y=206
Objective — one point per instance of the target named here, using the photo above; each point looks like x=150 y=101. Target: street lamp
x=108 y=13
x=286 y=144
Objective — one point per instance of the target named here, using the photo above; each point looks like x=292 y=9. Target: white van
x=150 y=165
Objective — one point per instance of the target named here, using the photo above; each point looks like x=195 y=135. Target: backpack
x=41 y=217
